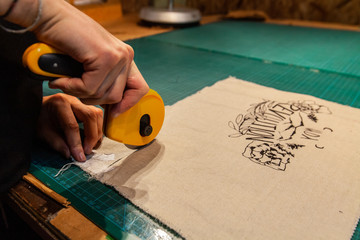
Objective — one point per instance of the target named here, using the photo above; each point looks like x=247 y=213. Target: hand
x=58 y=125
x=110 y=77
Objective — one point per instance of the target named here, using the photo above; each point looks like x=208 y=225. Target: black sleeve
x=21 y=99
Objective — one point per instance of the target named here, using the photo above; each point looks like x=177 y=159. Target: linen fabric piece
x=105 y=158
x=243 y=161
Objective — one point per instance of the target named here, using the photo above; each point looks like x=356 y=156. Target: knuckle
x=112 y=56
x=130 y=52
x=123 y=52
x=98 y=112
x=120 y=53
x=58 y=97
x=56 y=101
x=72 y=126
x=90 y=115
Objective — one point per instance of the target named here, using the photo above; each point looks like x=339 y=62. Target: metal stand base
x=170 y=16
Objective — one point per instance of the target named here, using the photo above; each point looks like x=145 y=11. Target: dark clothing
x=20 y=99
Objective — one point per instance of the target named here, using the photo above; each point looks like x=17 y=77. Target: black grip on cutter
x=60 y=64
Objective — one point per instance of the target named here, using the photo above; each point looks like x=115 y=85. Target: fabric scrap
x=105 y=158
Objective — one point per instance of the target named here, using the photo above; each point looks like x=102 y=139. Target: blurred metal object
x=170 y=15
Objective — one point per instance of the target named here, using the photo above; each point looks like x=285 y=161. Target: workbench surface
x=315 y=61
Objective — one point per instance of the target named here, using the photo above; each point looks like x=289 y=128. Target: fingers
x=92 y=118
x=107 y=61
x=113 y=94
x=119 y=83
x=70 y=128
x=104 y=79
x=136 y=88
x=59 y=127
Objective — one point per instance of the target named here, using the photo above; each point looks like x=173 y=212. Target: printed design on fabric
x=276 y=129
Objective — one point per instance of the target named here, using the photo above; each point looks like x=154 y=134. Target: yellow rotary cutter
x=137 y=126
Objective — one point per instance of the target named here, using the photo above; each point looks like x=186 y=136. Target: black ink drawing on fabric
x=274 y=128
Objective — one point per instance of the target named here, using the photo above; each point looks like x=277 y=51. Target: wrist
x=30 y=14
x=54 y=11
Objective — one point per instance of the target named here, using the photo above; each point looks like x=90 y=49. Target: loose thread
x=64 y=168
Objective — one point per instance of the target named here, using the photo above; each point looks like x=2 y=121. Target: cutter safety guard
x=140 y=124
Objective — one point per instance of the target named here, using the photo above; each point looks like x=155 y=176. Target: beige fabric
x=242 y=161
x=107 y=157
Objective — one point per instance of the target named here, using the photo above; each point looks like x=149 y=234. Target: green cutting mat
x=179 y=63
x=329 y=50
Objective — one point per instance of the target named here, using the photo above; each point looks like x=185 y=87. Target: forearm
x=24 y=12
x=109 y=76
x=58 y=13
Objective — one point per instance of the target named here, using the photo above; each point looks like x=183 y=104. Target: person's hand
x=110 y=77
x=58 y=125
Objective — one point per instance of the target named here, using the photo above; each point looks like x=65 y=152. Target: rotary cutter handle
x=137 y=126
